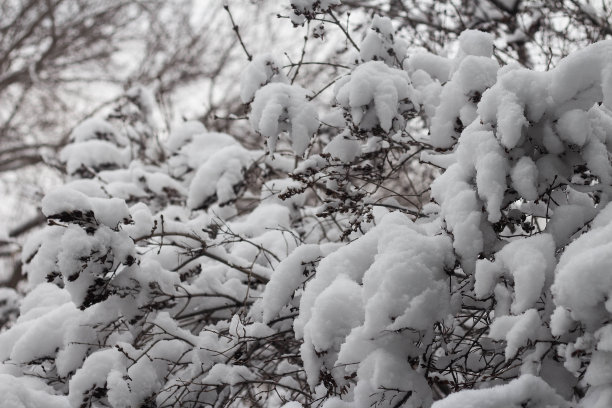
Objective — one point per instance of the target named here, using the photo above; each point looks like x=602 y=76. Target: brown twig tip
x=237 y=31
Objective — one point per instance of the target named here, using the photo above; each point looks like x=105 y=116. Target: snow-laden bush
x=196 y=272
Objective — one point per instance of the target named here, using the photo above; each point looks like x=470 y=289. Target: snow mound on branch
x=516 y=330
x=387 y=281
x=220 y=177
x=480 y=154
x=94 y=373
x=527 y=390
x=184 y=133
x=457 y=108
x=573 y=127
x=524 y=176
x=262 y=70
x=343 y=148
x=94 y=129
x=435 y=66
x=529 y=262
x=374 y=94
x=385 y=377
x=521 y=96
x=287 y=277
x=196 y=150
x=583 y=283
x=462 y=212
x=45 y=312
x=228 y=374
x=28 y=392
x=380 y=43
x=280 y=108
x=95 y=154
x=475 y=42
x=65 y=201
x=272 y=188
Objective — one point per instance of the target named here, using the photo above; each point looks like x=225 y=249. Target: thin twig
x=237 y=31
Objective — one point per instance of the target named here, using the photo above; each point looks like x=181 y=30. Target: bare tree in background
x=57 y=55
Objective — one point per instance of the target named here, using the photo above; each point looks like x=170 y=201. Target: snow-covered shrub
x=197 y=272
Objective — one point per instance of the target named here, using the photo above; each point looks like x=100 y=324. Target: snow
x=524 y=175
x=264 y=218
x=94 y=373
x=110 y=211
x=94 y=128
x=262 y=70
x=40 y=304
x=394 y=260
x=477 y=43
x=280 y=107
x=473 y=75
x=183 y=133
x=600 y=369
x=511 y=120
x=107 y=211
x=568 y=220
x=486 y=275
x=525 y=391
x=573 y=127
x=380 y=43
x=65 y=199
x=372 y=94
x=93 y=154
x=326 y=331
x=228 y=374
x=529 y=262
x=560 y=321
x=551 y=140
x=219 y=176
x=381 y=371
x=292 y=404
x=272 y=188
x=521 y=96
x=461 y=210
x=28 y=392
x=289 y=276
x=435 y=66
x=343 y=148
x=50 y=326
x=582 y=282
x=197 y=149
x=516 y=330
